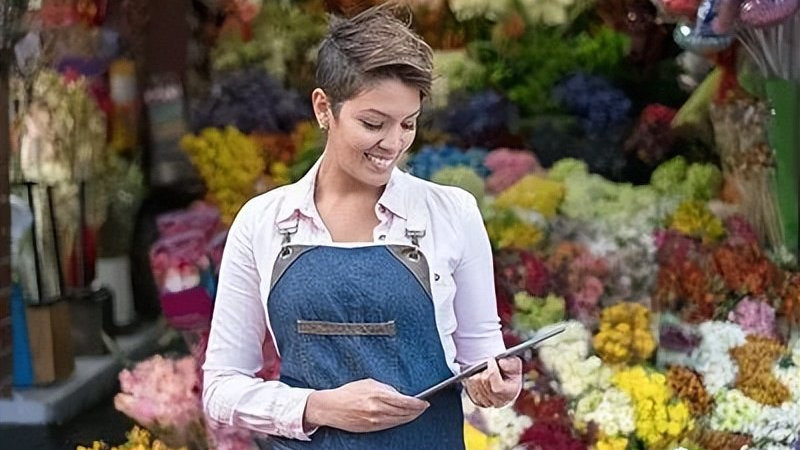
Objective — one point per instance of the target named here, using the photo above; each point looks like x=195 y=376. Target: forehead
x=390 y=97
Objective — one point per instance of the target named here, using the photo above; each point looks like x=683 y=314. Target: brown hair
x=373 y=45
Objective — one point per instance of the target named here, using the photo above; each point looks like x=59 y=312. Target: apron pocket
x=337 y=353
x=323 y=328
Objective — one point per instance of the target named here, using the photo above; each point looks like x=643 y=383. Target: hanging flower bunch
x=65 y=132
x=579 y=277
x=755 y=359
x=230 y=164
x=660 y=419
x=624 y=334
x=162 y=395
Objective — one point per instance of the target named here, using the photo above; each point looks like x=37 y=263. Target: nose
x=394 y=140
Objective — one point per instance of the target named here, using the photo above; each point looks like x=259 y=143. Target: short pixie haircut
x=374 y=45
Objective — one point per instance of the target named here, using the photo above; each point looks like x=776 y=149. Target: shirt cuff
x=295 y=428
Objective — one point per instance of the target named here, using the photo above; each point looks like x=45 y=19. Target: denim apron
x=344 y=314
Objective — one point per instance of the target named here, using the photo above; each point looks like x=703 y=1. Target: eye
x=409 y=126
x=372 y=125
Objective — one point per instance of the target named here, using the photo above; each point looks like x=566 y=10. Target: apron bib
x=344 y=314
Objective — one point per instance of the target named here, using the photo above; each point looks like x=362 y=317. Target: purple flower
x=755 y=317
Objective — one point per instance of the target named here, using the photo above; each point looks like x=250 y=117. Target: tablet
x=517 y=350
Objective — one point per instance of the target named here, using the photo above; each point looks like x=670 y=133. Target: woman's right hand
x=361 y=406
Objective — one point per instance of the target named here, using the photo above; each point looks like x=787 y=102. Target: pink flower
x=508 y=166
x=755 y=316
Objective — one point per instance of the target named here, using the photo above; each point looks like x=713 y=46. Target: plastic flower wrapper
x=508 y=166
x=484 y=119
x=755 y=316
x=660 y=419
x=694 y=219
x=599 y=106
x=533 y=193
x=676 y=341
x=711 y=358
x=163 y=395
x=429 y=160
x=555 y=12
x=454 y=71
x=624 y=334
x=532 y=313
x=610 y=408
x=463 y=177
x=479 y=9
x=251 y=101
x=230 y=164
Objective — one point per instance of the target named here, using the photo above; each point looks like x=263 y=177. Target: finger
x=494 y=379
x=510 y=366
x=404 y=402
x=482 y=393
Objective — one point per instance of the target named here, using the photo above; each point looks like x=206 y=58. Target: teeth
x=378 y=161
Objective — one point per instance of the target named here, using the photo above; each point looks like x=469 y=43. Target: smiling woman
x=374 y=284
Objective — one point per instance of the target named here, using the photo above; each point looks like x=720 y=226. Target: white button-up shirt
x=461 y=275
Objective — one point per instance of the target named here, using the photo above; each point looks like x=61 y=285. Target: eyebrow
x=373 y=110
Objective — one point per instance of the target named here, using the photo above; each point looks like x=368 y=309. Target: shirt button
x=382 y=237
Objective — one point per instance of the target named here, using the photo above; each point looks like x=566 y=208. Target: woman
x=375 y=285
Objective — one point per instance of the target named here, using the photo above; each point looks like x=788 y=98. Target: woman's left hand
x=496 y=386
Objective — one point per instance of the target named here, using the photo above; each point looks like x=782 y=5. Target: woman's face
x=372 y=130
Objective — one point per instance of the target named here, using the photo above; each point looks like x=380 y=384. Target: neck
x=334 y=183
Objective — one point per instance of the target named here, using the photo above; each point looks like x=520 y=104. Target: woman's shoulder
x=441 y=198
x=264 y=206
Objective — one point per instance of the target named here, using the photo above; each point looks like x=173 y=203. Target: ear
x=322 y=108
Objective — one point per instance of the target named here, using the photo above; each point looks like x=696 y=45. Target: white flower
x=777 y=425
x=473 y=9
x=506 y=424
x=711 y=358
x=565 y=348
x=790 y=377
x=609 y=408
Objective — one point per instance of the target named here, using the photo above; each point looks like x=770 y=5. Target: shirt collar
x=299 y=197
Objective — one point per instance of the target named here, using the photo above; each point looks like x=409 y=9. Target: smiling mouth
x=380 y=162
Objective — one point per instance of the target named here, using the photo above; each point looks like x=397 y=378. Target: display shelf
x=94 y=378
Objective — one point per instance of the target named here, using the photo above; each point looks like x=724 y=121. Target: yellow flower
x=612 y=443
x=475 y=440
x=624 y=334
x=694 y=219
x=531 y=192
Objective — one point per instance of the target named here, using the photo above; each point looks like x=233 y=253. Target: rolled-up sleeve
x=477 y=336
x=232 y=393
